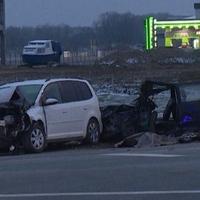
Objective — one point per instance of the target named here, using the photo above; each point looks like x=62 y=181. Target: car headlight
x=9 y=119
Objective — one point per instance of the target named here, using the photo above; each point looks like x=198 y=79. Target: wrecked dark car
x=162 y=108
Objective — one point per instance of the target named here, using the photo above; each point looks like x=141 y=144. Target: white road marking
x=130 y=193
x=144 y=155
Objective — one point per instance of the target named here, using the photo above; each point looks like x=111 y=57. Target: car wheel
x=35 y=139
x=93 y=132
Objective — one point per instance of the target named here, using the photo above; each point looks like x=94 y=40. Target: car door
x=72 y=108
x=190 y=105
x=87 y=105
x=54 y=113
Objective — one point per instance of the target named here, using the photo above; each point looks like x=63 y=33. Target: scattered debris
x=149 y=139
x=146 y=139
x=189 y=137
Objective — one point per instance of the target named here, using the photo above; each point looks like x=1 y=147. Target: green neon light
x=182 y=22
x=163 y=26
x=151 y=26
x=149 y=32
x=177 y=24
x=146 y=33
x=145 y=30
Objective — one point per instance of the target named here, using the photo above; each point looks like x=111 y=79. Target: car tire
x=93 y=132
x=35 y=139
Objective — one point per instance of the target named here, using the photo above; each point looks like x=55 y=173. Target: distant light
x=151 y=26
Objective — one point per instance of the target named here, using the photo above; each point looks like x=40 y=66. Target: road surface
x=160 y=173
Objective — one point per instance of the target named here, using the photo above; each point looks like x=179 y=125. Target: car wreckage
x=14 y=119
x=162 y=108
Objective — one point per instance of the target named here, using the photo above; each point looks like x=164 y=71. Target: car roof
x=171 y=84
x=66 y=79
x=39 y=82
x=40 y=41
x=15 y=84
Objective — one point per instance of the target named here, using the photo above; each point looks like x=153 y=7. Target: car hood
x=8 y=99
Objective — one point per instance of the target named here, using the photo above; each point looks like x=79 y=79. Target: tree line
x=110 y=30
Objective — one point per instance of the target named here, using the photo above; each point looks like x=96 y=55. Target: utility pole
x=2 y=33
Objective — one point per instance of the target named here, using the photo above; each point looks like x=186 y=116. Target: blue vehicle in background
x=42 y=52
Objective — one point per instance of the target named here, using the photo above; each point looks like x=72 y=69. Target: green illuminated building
x=173 y=33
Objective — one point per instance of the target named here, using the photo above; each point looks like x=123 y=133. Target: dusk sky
x=84 y=12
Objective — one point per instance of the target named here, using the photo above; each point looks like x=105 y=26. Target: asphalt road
x=163 y=173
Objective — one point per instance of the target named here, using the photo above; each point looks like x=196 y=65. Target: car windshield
x=29 y=92
x=6 y=94
x=37 y=43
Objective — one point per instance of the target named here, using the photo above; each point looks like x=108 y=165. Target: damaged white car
x=34 y=113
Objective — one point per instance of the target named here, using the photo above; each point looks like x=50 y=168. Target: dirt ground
x=101 y=74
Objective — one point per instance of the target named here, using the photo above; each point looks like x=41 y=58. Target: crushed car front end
x=12 y=123
x=15 y=101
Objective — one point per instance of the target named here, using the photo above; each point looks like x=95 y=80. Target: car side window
x=83 y=91
x=68 y=92
x=73 y=91
x=190 y=92
x=52 y=91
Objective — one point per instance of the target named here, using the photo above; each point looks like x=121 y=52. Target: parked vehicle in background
x=34 y=113
x=42 y=52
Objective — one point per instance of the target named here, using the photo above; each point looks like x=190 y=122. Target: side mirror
x=50 y=101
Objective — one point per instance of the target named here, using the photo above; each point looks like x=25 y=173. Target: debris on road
x=189 y=137
x=147 y=139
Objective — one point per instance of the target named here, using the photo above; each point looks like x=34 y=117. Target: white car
x=34 y=113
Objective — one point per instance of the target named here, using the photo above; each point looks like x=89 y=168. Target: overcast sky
x=84 y=12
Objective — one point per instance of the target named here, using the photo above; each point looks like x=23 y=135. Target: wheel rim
x=37 y=138
x=94 y=132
